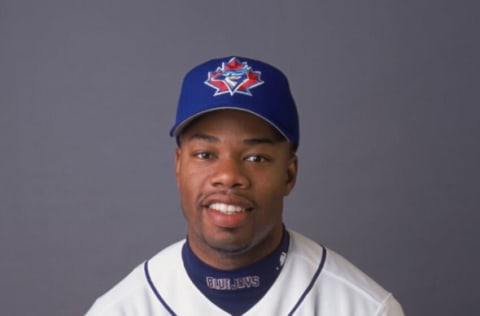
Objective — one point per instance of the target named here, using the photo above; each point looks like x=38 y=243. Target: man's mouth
x=226 y=208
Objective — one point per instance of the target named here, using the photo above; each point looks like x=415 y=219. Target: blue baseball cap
x=242 y=84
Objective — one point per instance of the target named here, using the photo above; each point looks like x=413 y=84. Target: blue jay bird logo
x=234 y=77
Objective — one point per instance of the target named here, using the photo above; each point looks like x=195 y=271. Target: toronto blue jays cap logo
x=234 y=77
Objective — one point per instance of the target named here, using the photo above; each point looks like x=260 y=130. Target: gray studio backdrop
x=388 y=94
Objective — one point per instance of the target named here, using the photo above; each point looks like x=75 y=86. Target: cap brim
x=177 y=129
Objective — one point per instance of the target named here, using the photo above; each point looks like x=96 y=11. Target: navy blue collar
x=236 y=291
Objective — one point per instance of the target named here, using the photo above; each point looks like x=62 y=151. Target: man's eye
x=256 y=158
x=203 y=155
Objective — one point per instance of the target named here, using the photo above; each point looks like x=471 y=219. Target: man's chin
x=229 y=248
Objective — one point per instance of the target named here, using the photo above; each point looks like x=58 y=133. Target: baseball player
x=237 y=132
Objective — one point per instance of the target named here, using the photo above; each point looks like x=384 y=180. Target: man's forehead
x=250 y=140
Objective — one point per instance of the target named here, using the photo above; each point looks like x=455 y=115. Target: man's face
x=233 y=170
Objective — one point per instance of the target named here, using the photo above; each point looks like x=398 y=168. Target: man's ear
x=292 y=170
x=178 y=163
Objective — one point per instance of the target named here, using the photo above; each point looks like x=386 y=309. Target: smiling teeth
x=226 y=208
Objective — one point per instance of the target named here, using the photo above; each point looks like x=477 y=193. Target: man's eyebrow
x=204 y=137
x=261 y=140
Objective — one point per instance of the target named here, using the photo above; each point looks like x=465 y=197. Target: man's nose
x=229 y=172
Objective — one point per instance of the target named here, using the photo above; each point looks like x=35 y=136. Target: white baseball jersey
x=314 y=281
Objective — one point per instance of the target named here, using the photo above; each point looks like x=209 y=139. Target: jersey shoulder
x=342 y=271
x=343 y=284
x=132 y=294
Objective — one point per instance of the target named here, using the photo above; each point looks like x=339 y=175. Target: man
x=237 y=133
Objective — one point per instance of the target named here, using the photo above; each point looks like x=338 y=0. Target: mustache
x=230 y=194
